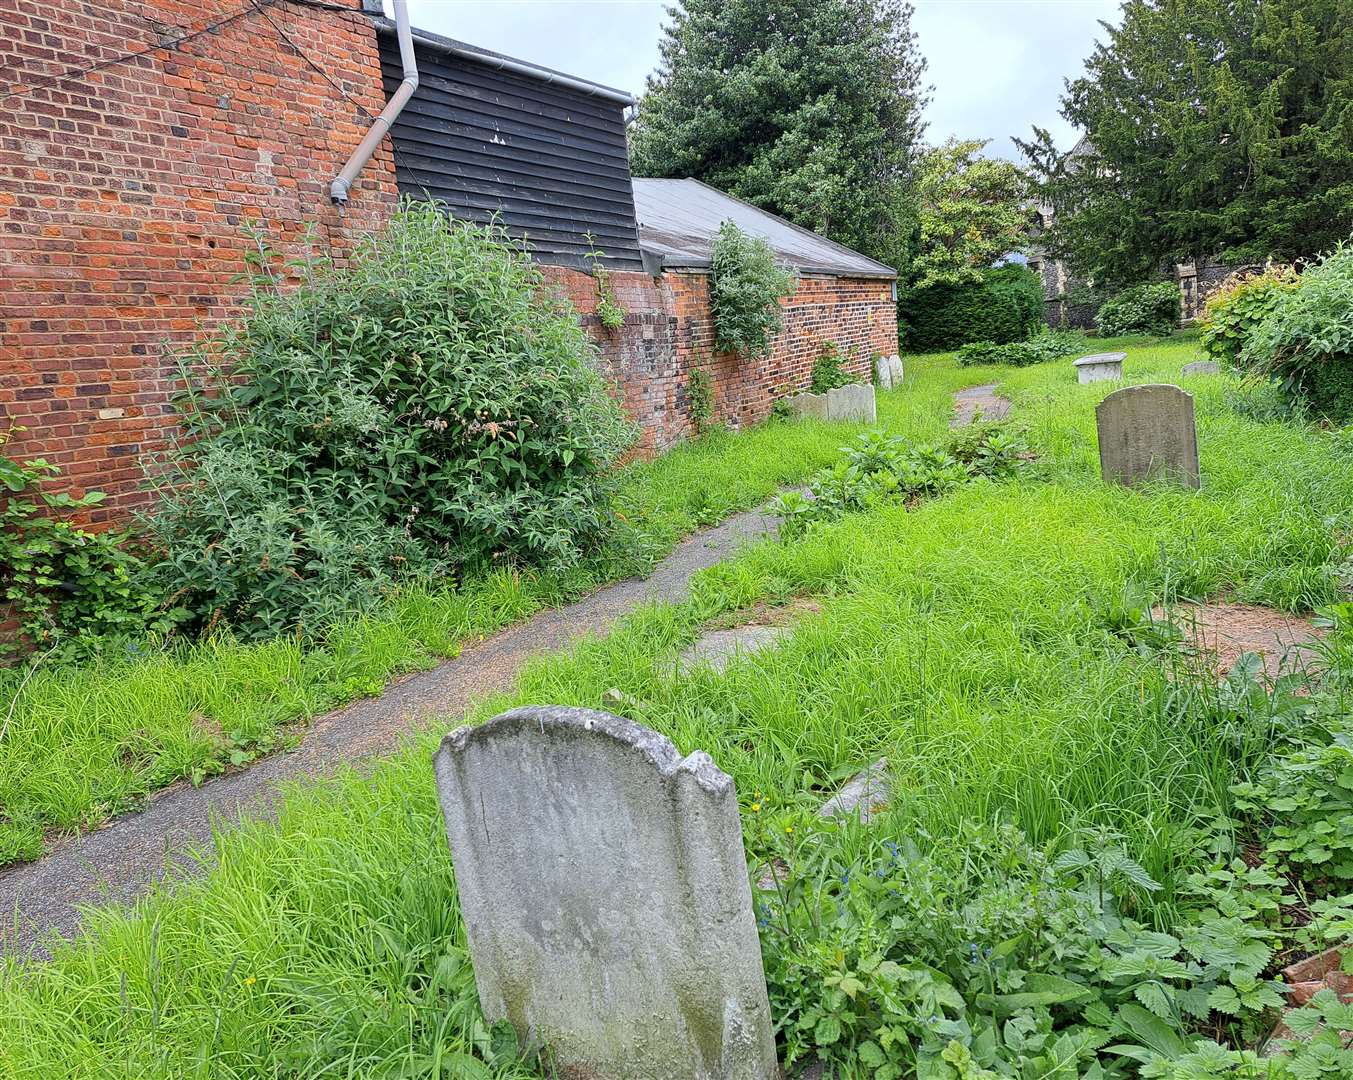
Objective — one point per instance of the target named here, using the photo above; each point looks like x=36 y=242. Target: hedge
x=1006 y=305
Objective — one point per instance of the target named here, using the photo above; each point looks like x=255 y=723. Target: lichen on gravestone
x=1148 y=433
x=604 y=888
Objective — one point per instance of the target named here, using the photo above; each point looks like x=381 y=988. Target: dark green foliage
x=746 y=286
x=828 y=373
x=1213 y=127
x=1306 y=340
x=1007 y=305
x=428 y=408
x=1042 y=347
x=71 y=589
x=808 y=108
x=1235 y=310
x=1149 y=308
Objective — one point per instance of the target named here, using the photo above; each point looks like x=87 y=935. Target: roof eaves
x=511 y=63
x=883 y=270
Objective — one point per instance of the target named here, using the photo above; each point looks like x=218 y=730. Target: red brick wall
x=123 y=192
x=856 y=314
x=669 y=331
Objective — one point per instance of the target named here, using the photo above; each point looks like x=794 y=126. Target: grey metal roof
x=678 y=219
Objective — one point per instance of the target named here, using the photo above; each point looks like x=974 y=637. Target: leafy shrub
x=1006 y=305
x=828 y=374
x=427 y=408
x=1042 y=347
x=746 y=286
x=1234 y=311
x=944 y=957
x=70 y=589
x=1306 y=340
x=881 y=468
x=1150 y=308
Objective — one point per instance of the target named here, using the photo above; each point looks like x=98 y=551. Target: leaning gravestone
x=1147 y=433
x=888 y=372
x=1202 y=367
x=604 y=889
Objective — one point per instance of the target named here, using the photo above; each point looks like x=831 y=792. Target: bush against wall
x=1306 y=340
x=1006 y=305
x=426 y=408
x=70 y=589
x=1234 y=311
x=746 y=286
x=829 y=371
x=1150 y=308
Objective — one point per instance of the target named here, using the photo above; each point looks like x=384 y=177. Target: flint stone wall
x=605 y=894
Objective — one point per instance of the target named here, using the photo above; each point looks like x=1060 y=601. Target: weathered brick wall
x=856 y=314
x=123 y=191
x=669 y=332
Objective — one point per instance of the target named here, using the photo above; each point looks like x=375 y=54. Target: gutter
x=342 y=183
x=506 y=63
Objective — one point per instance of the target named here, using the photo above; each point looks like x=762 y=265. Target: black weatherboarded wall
x=549 y=160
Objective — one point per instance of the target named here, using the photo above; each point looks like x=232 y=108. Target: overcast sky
x=996 y=65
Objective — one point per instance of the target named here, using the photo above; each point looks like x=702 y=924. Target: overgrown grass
x=78 y=745
x=966 y=640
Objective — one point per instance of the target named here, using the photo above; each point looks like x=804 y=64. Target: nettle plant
x=426 y=409
x=879 y=469
x=746 y=286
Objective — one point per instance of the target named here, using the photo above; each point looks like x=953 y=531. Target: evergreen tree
x=1212 y=127
x=810 y=109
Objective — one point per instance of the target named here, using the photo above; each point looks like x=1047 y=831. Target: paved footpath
x=118 y=863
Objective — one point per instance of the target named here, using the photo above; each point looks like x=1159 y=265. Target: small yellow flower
x=250 y=980
x=756 y=808
x=789 y=829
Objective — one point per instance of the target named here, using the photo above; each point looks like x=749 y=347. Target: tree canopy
x=973 y=210
x=810 y=109
x=1213 y=127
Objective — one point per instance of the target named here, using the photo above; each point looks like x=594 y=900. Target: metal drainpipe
x=342 y=183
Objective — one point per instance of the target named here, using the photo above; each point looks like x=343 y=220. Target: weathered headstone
x=854 y=403
x=604 y=889
x=1100 y=367
x=888 y=372
x=1147 y=433
x=1203 y=367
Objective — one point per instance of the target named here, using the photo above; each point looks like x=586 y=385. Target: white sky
x=996 y=65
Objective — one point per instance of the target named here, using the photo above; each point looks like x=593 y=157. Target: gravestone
x=854 y=403
x=1203 y=367
x=1147 y=433
x=888 y=372
x=1100 y=367
x=604 y=889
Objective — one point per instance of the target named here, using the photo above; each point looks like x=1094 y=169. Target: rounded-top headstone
x=606 y=899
